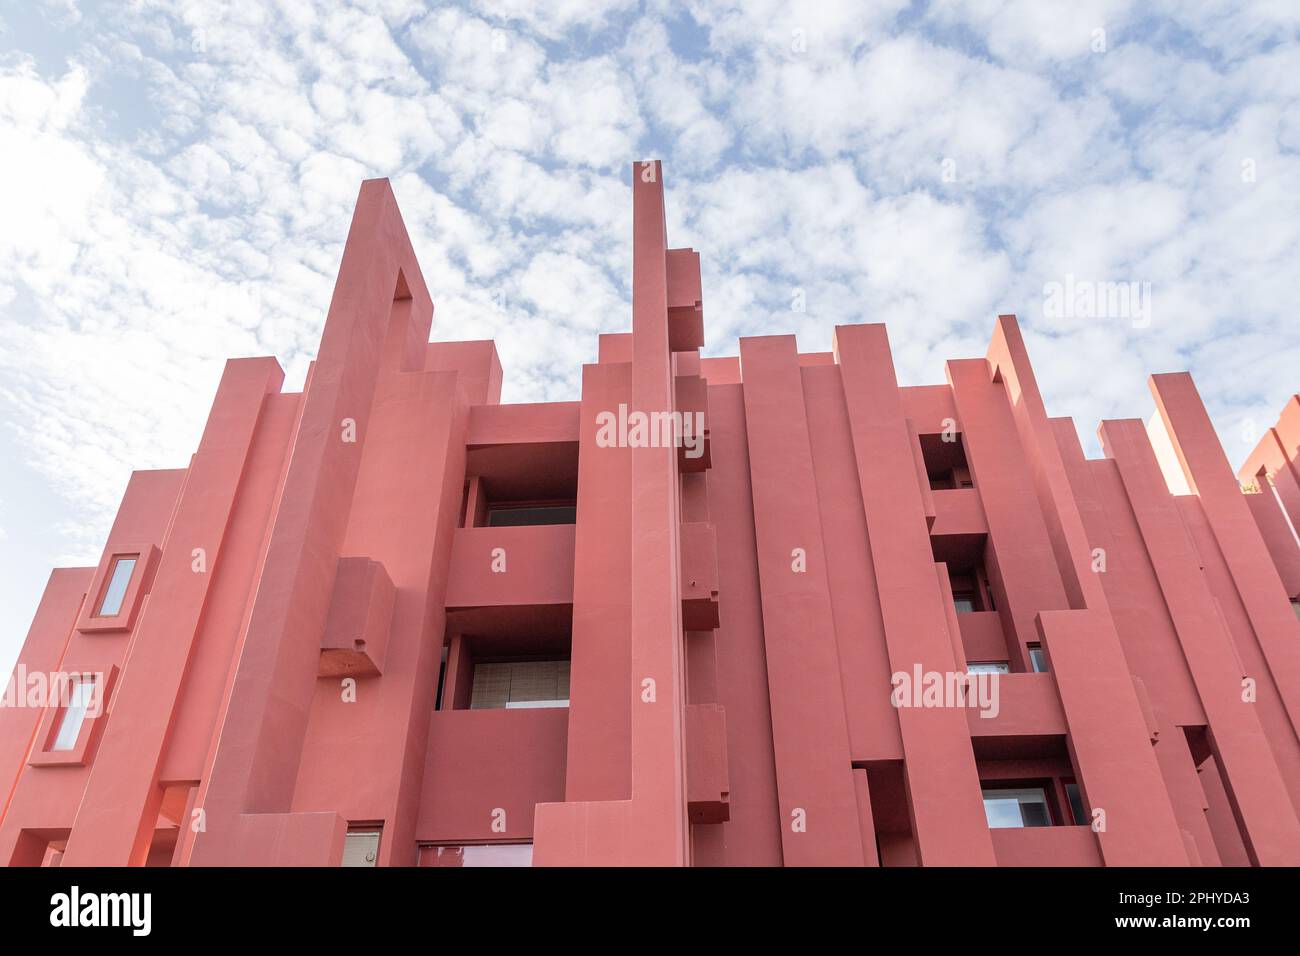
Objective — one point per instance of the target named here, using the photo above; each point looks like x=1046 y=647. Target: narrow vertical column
x=814 y=769
x=753 y=834
x=850 y=573
x=658 y=754
x=599 y=764
x=943 y=788
x=1253 y=573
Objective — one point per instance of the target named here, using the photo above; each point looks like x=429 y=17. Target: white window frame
x=1020 y=795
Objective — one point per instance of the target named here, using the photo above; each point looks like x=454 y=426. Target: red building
x=760 y=610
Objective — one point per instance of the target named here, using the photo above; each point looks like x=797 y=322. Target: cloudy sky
x=176 y=181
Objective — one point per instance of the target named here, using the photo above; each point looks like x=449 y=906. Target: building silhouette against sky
x=759 y=610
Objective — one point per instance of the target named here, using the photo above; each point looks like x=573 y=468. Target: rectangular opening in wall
x=39 y=847
x=1075 y=797
x=442 y=680
x=945 y=462
x=890 y=813
x=970 y=586
x=118 y=580
x=1037 y=658
x=508 y=657
x=1007 y=807
x=526 y=483
x=80 y=693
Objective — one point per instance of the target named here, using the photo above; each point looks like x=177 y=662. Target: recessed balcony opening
x=970 y=587
x=507 y=658
x=522 y=484
x=1028 y=781
x=945 y=462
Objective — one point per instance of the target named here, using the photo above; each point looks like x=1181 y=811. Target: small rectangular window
x=1038 y=658
x=361 y=847
x=1013 y=808
x=1295 y=606
x=119 y=577
x=74 y=715
x=517 y=684
x=1075 y=796
x=988 y=667
x=501 y=517
x=964 y=603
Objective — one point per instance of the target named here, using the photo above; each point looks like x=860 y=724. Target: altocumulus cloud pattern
x=176 y=181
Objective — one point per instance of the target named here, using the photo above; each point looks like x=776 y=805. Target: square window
x=1014 y=808
x=964 y=603
x=119 y=577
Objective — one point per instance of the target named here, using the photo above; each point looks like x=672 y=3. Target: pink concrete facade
x=390 y=621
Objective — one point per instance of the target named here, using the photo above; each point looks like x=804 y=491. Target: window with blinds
x=514 y=684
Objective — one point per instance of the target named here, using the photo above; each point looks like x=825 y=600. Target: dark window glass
x=1075 y=797
x=546 y=514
